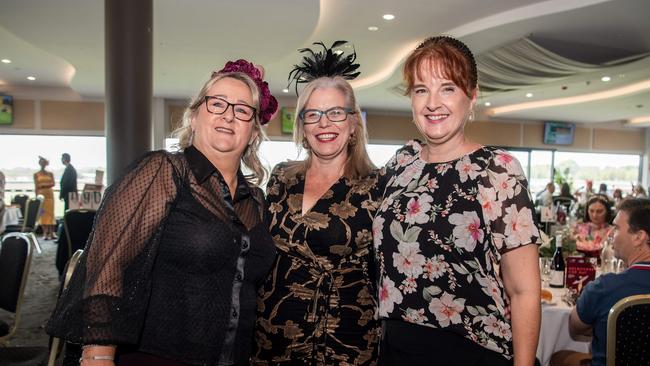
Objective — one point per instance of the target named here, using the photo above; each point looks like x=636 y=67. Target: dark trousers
x=416 y=345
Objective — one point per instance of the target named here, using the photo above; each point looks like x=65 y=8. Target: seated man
x=631 y=237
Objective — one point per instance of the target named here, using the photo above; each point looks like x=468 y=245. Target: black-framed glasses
x=218 y=105
x=334 y=114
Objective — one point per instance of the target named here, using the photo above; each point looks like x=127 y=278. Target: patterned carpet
x=39 y=299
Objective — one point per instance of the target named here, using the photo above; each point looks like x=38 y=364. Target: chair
x=628 y=338
x=57 y=348
x=30 y=216
x=15 y=260
x=20 y=200
x=77 y=225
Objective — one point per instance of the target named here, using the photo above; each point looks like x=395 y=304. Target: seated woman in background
x=179 y=246
x=592 y=232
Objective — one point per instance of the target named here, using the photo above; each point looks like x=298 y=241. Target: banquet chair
x=57 y=348
x=21 y=201
x=628 y=339
x=77 y=224
x=15 y=260
x=30 y=216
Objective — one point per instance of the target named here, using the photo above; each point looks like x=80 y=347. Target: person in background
x=591 y=233
x=68 y=181
x=317 y=306
x=639 y=191
x=583 y=197
x=180 y=245
x=455 y=236
x=617 y=196
x=631 y=240
x=44 y=182
x=545 y=198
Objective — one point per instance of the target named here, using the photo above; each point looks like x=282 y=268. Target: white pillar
x=158 y=130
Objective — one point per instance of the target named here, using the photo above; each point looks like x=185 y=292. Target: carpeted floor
x=40 y=298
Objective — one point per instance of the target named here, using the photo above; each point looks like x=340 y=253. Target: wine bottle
x=557 y=264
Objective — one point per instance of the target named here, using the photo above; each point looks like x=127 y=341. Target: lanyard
x=641 y=266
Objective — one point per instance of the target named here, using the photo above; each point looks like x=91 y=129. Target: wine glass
x=545 y=270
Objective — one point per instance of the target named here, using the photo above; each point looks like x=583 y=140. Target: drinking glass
x=545 y=270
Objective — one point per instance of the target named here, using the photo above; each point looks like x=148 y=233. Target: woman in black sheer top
x=179 y=246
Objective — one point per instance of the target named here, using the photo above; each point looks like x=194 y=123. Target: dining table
x=11 y=216
x=554 y=331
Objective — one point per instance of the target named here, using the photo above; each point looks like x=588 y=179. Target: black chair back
x=20 y=200
x=628 y=338
x=78 y=224
x=15 y=259
x=32 y=212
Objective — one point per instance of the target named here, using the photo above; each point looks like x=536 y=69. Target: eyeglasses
x=217 y=105
x=334 y=114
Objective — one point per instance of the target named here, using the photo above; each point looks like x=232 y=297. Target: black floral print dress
x=317 y=305
x=439 y=235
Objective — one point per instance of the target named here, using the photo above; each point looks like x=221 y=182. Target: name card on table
x=88 y=200
x=579 y=272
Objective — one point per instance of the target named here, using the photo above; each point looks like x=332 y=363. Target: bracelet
x=107 y=358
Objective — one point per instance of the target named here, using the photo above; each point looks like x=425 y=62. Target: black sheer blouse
x=172 y=265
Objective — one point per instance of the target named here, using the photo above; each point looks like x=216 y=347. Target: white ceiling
x=61 y=43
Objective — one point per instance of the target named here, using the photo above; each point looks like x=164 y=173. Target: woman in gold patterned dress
x=43 y=182
x=317 y=305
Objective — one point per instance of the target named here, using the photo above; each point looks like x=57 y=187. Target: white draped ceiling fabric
x=524 y=63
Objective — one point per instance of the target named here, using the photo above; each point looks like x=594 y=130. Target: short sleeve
x=106 y=300
x=591 y=296
x=508 y=209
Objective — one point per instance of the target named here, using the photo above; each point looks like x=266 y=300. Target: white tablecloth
x=554 y=333
x=10 y=217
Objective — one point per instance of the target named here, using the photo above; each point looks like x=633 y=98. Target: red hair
x=450 y=59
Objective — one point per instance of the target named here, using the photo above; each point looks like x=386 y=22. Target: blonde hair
x=250 y=157
x=358 y=163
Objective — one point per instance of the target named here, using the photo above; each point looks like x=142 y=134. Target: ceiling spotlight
x=529 y=95
x=6 y=61
x=487 y=104
x=372 y=28
x=31 y=78
x=388 y=16
x=605 y=78
x=285 y=90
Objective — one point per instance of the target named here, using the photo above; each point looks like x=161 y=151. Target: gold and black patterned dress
x=317 y=305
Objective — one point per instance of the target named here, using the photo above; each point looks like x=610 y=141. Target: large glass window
x=19 y=161
x=614 y=170
x=541 y=171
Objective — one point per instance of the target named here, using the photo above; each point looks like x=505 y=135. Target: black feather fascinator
x=327 y=62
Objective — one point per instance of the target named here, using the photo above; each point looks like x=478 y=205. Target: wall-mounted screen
x=559 y=133
x=7 y=110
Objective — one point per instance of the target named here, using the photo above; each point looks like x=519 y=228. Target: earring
x=471 y=116
x=352 y=141
x=305 y=144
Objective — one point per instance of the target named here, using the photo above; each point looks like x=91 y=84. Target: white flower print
x=509 y=162
x=504 y=330
x=409 y=285
x=467 y=230
x=402 y=159
x=388 y=297
x=491 y=325
x=491 y=288
x=412 y=171
x=519 y=226
x=504 y=184
x=377 y=230
x=487 y=197
x=467 y=169
x=417 y=208
x=414 y=316
x=447 y=309
x=435 y=267
x=409 y=261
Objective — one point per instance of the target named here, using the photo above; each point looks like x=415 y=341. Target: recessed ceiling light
x=31 y=78
x=6 y=61
x=605 y=78
x=285 y=90
x=529 y=95
x=372 y=28
x=388 y=16
x=487 y=104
